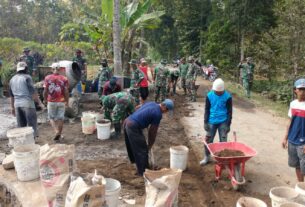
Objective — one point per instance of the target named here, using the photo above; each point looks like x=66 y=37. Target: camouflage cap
x=164 y=61
x=26 y=49
x=133 y=62
x=249 y=58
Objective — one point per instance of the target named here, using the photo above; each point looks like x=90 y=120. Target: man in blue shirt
x=295 y=135
x=217 y=116
x=148 y=115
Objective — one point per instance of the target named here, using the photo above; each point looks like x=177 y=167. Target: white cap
x=218 y=85
x=21 y=66
x=55 y=66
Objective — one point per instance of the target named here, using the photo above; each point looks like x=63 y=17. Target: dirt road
x=257 y=128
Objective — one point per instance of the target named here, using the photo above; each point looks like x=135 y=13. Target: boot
x=205 y=161
x=117 y=131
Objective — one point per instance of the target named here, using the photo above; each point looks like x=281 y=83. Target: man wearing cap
x=144 y=92
x=56 y=96
x=111 y=87
x=148 y=115
x=174 y=76
x=161 y=76
x=294 y=138
x=29 y=60
x=247 y=71
x=104 y=76
x=183 y=68
x=117 y=107
x=137 y=76
x=191 y=78
x=1 y=84
x=23 y=95
x=217 y=115
x=82 y=63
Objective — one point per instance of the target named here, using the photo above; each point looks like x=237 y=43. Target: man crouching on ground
x=149 y=114
x=56 y=96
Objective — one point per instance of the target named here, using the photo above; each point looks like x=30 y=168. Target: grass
x=279 y=109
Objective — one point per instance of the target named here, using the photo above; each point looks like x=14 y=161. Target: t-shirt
x=296 y=133
x=218 y=109
x=107 y=90
x=56 y=85
x=148 y=114
x=22 y=89
x=144 y=82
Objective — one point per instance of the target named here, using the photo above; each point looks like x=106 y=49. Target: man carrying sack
x=149 y=114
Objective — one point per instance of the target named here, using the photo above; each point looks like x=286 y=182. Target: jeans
x=27 y=117
x=222 y=131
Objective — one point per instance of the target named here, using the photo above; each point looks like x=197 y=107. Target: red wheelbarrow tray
x=219 y=146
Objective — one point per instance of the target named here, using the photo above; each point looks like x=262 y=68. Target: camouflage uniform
x=190 y=80
x=29 y=60
x=136 y=77
x=161 y=74
x=174 y=75
x=120 y=104
x=81 y=63
x=247 y=70
x=103 y=76
x=183 y=71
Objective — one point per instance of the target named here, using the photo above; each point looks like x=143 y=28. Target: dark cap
x=133 y=62
x=164 y=61
x=78 y=51
x=104 y=61
x=26 y=49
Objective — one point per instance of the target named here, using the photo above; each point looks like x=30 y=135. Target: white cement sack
x=162 y=187
x=8 y=162
x=56 y=164
x=84 y=192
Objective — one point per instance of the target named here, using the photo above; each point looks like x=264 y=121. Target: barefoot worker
x=150 y=114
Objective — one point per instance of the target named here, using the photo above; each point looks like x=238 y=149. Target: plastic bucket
x=88 y=122
x=103 y=129
x=20 y=136
x=113 y=188
x=281 y=195
x=26 y=161
x=292 y=205
x=250 y=202
x=178 y=157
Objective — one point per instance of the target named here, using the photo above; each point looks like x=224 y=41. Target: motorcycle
x=210 y=72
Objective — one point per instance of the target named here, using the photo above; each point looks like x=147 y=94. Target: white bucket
x=300 y=188
x=88 y=122
x=281 y=195
x=113 y=188
x=291 y=205
x=178 y=157
x=250 y=202
x=20 y=136
x=103 y=129
x=26 y=162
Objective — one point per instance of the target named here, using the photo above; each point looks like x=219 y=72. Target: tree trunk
x=117 y=58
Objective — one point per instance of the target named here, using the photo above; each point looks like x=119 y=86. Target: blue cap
x=113 y=81
x=300 y=83
x=169 y=104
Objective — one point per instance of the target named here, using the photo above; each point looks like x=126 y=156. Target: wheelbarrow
x=235 y=165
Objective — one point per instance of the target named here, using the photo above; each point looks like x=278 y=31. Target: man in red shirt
x=56 y=95
x=144 y=83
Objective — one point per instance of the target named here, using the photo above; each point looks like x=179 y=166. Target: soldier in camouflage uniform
x=247 y=70
x=104 y=75
x=183 y=68
x=174 y=76
x=191 y=78
x=29 y=60
x=117 y=107
x=82 y=63
x=161 y=76
x=136 y=77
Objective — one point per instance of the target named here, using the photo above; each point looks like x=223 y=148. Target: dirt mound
x=229 y=153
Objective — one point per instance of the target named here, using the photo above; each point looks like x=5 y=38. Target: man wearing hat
x=111 y=87
x=56 y=96
x=23 y=95
x=161 y=78
x=29 y=60
x=247 y=71
x=217 y=115
x=183 y=68
x=104 y=75
x=294 y=138
x=1 y=84
x=117 y=107
x=137 y=76
x=82 y=63
x=191 y=78
x=149 y=116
